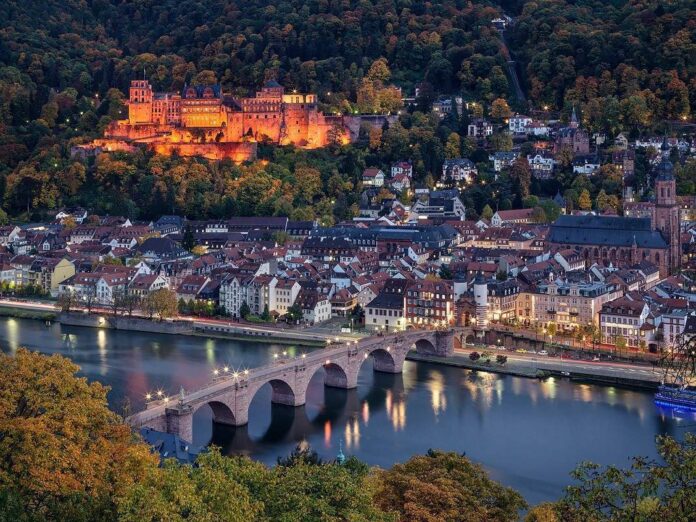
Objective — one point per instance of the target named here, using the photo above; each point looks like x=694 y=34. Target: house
x=191 y=286
x=518 y=123
x=541 y=163
x=503 y=159
x=538 y=129
x=166 y=225
x=624 y=317
x=9 y=234
x=504 y=217
x=570 y=259
x=621 y=141
x=402 y=167
x=343 y=302
x=400 y=182
x=439 y=204
x=387 y=311
x=315 y=306
x=110 y=286
x=430 y=303
x=625 y=160
x=161 y=249
x=373 y=177
x=78 y=214
x=81 y=285
x=480 y=128
x=144 y=284
x=586 y=164
x=47 y=273
x=458 y=170
x=284 y=295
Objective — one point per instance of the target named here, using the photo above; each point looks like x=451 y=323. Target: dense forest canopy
x=66 y=64
x=638 y=56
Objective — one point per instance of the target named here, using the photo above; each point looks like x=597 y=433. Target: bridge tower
x=481 y=302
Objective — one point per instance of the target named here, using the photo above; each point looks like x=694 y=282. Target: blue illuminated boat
x=676 y=397
x=679 y=365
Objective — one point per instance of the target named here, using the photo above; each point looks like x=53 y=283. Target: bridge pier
x=180 y=422
x=288 y=397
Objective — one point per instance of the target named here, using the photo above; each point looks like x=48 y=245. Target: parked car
x=543 y=352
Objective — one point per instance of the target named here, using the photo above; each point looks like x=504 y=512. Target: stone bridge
x=229 y=397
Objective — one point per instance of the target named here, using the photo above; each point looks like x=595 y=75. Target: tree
x=453 y=146
x=162 y=303
x=244 y=310
x=647 y=490
x=266 y=315
x=500 y=109
x=200 y=492
x=64 y=454
x=487 y=212
x=294 y=313
x=445 y=486
x=521 y=172
x=620 y=343
x=584 y=201
x=544 y=512
x=445 y=272
x=188 y=240
x=66 y=301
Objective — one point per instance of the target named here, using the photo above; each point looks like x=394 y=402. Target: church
x=626 y=241
x=203 y=121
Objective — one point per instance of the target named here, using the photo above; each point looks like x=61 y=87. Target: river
x=527 y=434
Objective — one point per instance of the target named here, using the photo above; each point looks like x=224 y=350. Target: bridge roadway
x=229 y=397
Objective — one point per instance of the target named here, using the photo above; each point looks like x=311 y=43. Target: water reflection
x=438 y=398
x=529 y=434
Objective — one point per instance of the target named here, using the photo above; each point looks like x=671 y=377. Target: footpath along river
x=528 y=434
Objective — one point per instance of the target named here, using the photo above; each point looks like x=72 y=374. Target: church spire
x=574 y=119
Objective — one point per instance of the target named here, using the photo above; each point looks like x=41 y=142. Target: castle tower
x=666 y=209
x=481 y=302
x=140 y=102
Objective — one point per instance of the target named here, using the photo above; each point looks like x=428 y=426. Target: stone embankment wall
x=125 y=323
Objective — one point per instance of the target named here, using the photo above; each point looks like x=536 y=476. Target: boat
x=678 y=385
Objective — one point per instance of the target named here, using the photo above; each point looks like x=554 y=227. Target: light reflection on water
x=527 y=434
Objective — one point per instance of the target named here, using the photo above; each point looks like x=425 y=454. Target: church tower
x=574 y=120
x=666 y=209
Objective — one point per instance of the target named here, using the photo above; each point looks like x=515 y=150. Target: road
x=531 y=363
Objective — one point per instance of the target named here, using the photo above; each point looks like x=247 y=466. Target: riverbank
x=605 y=374
x=20 y=313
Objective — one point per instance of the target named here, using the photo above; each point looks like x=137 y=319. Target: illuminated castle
x=204 y=121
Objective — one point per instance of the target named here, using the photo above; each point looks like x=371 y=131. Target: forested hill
x=569 y=50
x=65 y=64
x=313 y=45
x=638 y=56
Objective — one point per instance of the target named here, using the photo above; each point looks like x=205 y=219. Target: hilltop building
x=204 y=121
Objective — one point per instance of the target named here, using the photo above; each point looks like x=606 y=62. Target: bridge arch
x=282 y=392
x=425 y=347
x=335 y=375
x=384 y=360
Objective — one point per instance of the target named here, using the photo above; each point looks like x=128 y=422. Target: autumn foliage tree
x=63 y=454
x=445 y=486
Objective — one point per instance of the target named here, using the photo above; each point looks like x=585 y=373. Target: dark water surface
x=528 y=434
